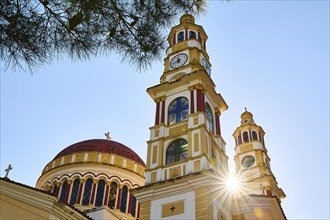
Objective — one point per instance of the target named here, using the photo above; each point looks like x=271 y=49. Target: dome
x=102 y=146
x=95 y=173
x=187 y=18
x=246 y=117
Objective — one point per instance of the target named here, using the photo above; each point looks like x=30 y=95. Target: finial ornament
x=245 y=109
x=107 y=136
x=7 y=170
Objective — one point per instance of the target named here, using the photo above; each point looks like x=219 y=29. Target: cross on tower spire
x=7 y=170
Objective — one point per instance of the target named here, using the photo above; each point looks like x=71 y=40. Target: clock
x=248 y=161
x=179 y=60
x=206 y=66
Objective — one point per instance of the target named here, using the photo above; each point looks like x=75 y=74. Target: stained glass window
x=254 y=135
x=87 y=192
x=180 y=36
x=176 y=151
x=245 y=136
x=64 y=191
x=192 y=34
x=112 y=195
x=123 y=201
x=209 y=116
x=178 y=110
x=74 y=192
x=100 y=193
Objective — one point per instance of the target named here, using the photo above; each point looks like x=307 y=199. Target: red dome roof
x=103 y=146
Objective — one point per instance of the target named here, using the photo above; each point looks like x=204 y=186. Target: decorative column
x=129 y=203
x=160 y=110
x=82 y=181
x=138 y=210
x=119 y=196
x=217 y=121
x=162 y=120
x=49 y=188
x=200 y=98
x=106 y=199
x=58 y=186
x=192 y=99
x=68 y=191
x=268 y=190
x=157 y=111
x=93 y=192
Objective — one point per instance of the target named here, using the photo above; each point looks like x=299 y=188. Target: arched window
x=239 y=139
x=123 y=201
x=192 y=34
x=74 y=192
x=176 y=151
x=245 y=136
x=254 y=135
x=64 y=191
x=209 y=115
x=87 y=192
x=133 y=209
x=100 y=193
x=178 y=110
x=180 y=36
x=112 y=195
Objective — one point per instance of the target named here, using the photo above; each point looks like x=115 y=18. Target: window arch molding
x=178 y=110
x=177 y=76
x=176 y=151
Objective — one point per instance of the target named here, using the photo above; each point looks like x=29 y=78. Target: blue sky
x=269 y=56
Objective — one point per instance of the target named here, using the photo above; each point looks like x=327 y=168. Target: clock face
x=206 y=66
x=179 y=60
x=248 y=161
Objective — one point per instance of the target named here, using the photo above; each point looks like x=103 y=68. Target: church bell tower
x=252 y=160
x=186 y=155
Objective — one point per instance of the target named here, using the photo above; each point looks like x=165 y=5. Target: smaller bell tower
x=252 y=160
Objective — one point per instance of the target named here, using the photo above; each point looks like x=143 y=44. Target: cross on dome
x=107 y=136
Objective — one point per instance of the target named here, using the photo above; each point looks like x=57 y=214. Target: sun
x=233 y=183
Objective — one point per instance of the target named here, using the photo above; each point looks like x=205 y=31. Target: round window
x=248 y=161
